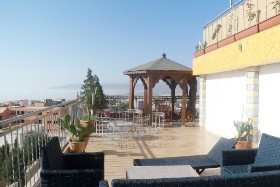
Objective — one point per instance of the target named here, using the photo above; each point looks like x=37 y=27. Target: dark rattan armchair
x=265 y=158
x=199 y=162
x=73 y=169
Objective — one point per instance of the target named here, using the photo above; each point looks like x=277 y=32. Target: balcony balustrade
x=20 y=142
x=244 y=18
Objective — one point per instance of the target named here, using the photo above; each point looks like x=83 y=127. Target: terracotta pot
x=87 y=135
x=85 y=123
x=77 y=147
x=244 y=145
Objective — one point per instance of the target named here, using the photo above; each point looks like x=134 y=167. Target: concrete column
x=252 y=98
x=202 y=101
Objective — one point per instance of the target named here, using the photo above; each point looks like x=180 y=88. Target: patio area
x=173 y=141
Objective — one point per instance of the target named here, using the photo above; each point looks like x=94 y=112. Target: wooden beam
x=131 y=93
x=193 y=95
x=145 y=100
x=184 y=101
x=150 y=98
x=172 y=98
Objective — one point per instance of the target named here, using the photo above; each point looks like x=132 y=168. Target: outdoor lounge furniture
x=157 y=172
x=58 y=169
x=265 y=158
x=257 y=179
x=198 y=162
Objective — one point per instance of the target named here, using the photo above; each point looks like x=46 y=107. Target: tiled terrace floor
x=175 y=141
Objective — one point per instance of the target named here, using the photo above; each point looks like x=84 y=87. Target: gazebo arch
x=173 y=74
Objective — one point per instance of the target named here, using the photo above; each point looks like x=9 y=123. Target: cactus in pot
x=76 y=131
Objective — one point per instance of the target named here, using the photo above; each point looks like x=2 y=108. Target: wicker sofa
x=73 y=169
x=243 y=168
x=257 y=179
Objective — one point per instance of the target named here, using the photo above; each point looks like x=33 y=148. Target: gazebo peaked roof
x=162 y=64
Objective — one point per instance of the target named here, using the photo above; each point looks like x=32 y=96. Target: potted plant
x=76 y=131
x=216 y=31
x=86 y=120
x=244 y=135
x=89 y=120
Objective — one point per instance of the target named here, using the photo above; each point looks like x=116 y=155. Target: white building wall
x=225 y=101
x=269 y=99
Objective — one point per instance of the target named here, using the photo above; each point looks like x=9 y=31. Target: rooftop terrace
x=119 y=152
x=173 y=141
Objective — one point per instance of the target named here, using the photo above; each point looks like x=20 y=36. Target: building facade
x=240 y=71
x=13 y=110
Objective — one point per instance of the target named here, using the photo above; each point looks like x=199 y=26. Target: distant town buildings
x=15 y=108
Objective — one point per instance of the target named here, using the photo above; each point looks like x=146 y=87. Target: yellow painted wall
x=258 y=49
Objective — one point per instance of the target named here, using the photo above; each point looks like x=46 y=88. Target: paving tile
x=172 y=142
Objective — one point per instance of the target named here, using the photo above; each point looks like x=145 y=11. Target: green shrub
x=13 y=160
x=32 y=144
x=123 y=106
x=18 y=157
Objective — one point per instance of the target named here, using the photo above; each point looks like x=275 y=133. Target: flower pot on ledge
x=77 y=147
x=244 y=145
x=243 y=129
x=86 y=123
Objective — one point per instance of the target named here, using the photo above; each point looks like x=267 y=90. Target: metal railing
x=243 y=15
x=20 y=143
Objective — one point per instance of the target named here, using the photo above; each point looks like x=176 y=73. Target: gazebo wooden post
x=131 y=93
x=172 y=101
x=150 y=99
x=184 y=101
x=145 y=99
x=172 y=97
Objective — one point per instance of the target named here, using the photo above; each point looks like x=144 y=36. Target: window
x=0 y=118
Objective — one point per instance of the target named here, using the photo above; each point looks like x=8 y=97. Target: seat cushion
x=52 y=156
x=235 y=169
x=196 y=161
x=269 y=150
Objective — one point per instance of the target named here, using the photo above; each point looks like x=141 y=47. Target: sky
x=51 y=43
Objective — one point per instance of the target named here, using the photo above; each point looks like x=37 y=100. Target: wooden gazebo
x=172 y=74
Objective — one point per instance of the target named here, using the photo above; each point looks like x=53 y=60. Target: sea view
x=69 y=92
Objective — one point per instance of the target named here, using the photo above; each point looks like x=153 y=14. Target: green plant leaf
x=243 y=130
